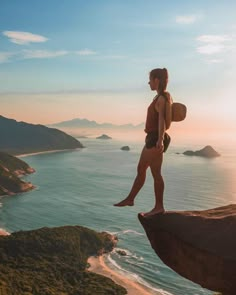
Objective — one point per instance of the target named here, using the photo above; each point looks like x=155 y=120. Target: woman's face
x=154 y=83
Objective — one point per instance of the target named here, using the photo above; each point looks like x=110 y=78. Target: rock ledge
x=199 y=245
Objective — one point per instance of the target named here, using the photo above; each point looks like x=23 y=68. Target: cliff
x=20 y=138
x=54 y=261
x=199 y=245
x=10 y=170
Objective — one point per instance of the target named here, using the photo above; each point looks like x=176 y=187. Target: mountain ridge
x=21 y=138
x=85 y=123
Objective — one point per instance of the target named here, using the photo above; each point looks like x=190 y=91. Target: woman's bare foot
x=125 y=202
x=154 y=212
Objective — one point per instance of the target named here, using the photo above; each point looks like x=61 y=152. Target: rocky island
x=11 y=168
x=199 y=245
x=125 y=148
x=207 y=152
x=54 y=261
x=103 y=136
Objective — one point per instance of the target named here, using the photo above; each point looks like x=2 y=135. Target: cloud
x=42 y=54
x=215 y=61
x=30 y=54
x=24 y=38
x=186 y=19
x=112 y=57
x=210 y=48
x=27 y=54
x=86 y=52
x=213 y=44
x=5 y=56
x=214 y=38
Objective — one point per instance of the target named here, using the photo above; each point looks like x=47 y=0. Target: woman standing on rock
x=156 y=142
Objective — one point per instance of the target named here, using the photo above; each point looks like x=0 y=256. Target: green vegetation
x=52 y=261
x=9 y=182
x=13 y=163
x=10 y=168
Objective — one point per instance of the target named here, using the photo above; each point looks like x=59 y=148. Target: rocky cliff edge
x=199 y=245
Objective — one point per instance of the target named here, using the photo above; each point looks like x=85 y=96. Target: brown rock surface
x=199 y=245
x=11 y=169
x=3 y=232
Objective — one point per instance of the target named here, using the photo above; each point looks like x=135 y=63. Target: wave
x=135 y=260
x=3 y=232
x=128 y=254
x=134 y=276
x=128 y=231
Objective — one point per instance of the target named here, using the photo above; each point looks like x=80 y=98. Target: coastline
x=44 y=152
x=3 y=232
x=98 y=265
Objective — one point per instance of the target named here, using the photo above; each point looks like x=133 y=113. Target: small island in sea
x=103 y=136
x=207 y=152
x=125 y=148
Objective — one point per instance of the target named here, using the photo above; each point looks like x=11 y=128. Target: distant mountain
x=10 y=169
x=20 y=137
x=84 y=123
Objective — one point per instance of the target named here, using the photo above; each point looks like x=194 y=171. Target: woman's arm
x=168 y=110
x=160 y=108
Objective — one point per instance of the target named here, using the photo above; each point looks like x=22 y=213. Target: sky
x=61 y=60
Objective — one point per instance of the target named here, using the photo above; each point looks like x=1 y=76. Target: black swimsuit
x=152 y=138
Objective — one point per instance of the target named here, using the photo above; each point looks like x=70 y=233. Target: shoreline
x=98 y=265
x=44 y=152
x=3 y=232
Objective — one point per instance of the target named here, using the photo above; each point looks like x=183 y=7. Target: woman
x=156 y=142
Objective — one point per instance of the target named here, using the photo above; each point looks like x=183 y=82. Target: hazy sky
x=61 y=60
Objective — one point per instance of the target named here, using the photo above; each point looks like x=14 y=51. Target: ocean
x=79 y=187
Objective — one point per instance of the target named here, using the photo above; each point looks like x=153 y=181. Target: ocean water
x=79 y=187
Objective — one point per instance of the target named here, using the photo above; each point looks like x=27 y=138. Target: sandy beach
x=44 y=152
x=97 y=265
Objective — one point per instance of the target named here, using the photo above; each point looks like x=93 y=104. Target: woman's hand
x=160 y=145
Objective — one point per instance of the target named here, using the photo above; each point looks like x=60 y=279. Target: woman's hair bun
x=166 y=72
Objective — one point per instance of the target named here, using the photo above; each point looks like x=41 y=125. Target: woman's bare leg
x=139 y=180
x=158 y=183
